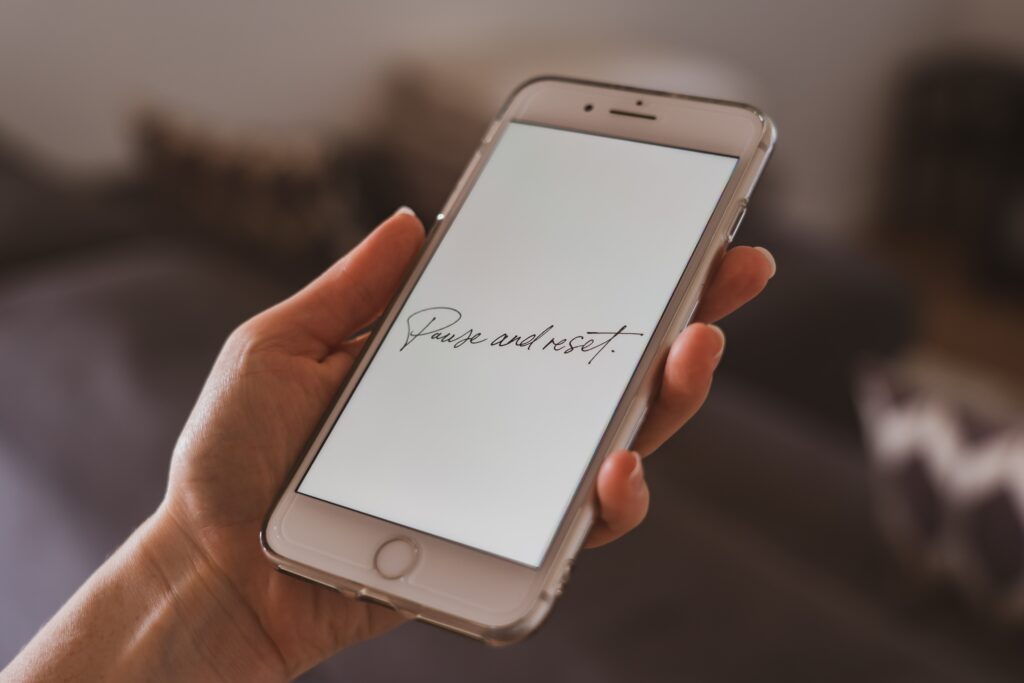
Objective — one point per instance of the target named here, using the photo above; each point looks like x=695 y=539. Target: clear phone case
x=550 y=577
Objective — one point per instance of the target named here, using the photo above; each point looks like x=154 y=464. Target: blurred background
x=850 y=503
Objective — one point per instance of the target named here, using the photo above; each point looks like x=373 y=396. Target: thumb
x=354 y=290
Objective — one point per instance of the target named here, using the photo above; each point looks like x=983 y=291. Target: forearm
x=154 y=611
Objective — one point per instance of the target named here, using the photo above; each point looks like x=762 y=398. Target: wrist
x=198 y=621
x=156 y=610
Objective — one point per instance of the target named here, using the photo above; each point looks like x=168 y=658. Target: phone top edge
x=770 y=130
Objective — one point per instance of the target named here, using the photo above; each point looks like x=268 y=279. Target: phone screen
x=480 y=411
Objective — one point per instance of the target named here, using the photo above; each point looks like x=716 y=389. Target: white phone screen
x=487 y=398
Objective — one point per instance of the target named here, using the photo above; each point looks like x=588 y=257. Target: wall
x=71 y=74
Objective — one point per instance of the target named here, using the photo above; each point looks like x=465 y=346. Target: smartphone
x=453 y=477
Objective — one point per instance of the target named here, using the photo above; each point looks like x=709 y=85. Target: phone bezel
x=458 y=587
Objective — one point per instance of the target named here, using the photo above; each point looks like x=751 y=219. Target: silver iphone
x=453 y=477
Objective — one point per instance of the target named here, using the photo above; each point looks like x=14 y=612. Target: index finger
x=742 y=274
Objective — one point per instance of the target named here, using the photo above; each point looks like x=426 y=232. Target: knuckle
x=244 y=339
x=242 y=336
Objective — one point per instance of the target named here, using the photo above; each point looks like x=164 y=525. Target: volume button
x=491 y=130
x=739 y=219
x=636 y=427
x=685 y=320
x=470 y=167
x=459 y=186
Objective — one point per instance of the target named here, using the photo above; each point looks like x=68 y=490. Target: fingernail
x=636 y=475
x=721 y=337
x=771 y=259
x=405 y=211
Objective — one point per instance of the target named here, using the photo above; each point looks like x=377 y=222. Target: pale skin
x=190 y=596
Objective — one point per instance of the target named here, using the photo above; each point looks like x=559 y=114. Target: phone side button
x=491 y=130
x=636 y=427
x=739 y=219
x=460 y=186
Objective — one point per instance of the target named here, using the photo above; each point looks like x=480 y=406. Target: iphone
x=453 y=477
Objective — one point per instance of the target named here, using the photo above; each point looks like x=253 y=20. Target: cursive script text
x=438 y=324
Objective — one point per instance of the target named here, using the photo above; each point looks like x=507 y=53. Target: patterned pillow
x=947 y=470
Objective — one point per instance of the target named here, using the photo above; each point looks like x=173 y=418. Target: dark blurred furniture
x=950 y=215
x=955 y=161
x=758 y=562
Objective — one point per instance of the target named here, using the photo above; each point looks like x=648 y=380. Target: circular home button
x=396 y=557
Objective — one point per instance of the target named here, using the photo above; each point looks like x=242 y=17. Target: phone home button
x=395 y=558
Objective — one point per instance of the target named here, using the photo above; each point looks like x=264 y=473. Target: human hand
x=274 y=379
